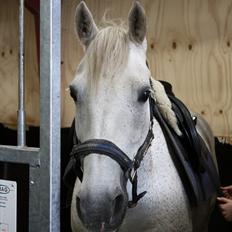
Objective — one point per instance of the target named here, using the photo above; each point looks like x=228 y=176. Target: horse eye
x=73 y=94
x=144 y=96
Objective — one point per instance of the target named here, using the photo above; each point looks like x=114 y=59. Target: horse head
x=111 y=91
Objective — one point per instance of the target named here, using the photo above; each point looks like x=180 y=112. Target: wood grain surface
x=189 y=45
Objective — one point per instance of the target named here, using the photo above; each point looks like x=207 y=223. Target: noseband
x=107 y=148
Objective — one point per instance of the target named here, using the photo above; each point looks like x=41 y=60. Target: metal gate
x=44 y=162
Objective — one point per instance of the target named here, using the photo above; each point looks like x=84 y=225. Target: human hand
x=225 y=206
x=227 y=191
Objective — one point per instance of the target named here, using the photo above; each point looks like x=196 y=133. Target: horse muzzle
x=101 y=212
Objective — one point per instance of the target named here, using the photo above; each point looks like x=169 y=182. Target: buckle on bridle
x=135 y=196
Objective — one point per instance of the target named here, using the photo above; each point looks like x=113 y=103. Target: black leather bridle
x=189 y=154
x=107 y=148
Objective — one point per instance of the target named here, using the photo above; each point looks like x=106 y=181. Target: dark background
x=20 y=174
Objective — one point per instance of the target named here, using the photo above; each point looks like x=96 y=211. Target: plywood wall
x=9 y=65
x=189 y=45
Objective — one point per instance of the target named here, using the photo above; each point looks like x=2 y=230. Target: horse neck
x=158 y=162
x=165 y=196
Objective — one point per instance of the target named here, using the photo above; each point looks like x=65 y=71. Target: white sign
x=8 y=205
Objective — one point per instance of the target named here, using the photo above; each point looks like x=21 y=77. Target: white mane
x=107 y=54
x=164 y=105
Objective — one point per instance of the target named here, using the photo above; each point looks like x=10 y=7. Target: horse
x=112 y=92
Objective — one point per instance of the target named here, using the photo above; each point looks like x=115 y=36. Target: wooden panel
x=189 y=45
x=9 y=65
x=8 y=61
x=31 y=71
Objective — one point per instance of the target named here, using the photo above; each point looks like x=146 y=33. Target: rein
x=107 y=148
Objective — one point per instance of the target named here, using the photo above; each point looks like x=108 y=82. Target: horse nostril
x=118 y=204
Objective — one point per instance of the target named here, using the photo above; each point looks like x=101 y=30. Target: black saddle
x=189 y=153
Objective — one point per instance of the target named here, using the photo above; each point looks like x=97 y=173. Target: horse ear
x=137 y=23
x=85 y=26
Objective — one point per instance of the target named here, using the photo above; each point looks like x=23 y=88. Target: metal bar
x=20 y=155
x=21 y=80
x=34 y=199
x=50 y=31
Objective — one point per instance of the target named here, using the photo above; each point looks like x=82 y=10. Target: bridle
x=107 y=148
x=188 y=152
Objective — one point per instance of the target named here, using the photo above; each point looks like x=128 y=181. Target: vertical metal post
x=21 y=80
x=50 y=30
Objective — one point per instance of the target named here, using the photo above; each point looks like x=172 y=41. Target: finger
x=227 y=187
x=223 y=199
x=222 y=208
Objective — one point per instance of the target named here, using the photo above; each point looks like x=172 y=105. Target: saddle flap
x=190 y=155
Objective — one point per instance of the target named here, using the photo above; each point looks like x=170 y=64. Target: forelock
x=107 y=54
